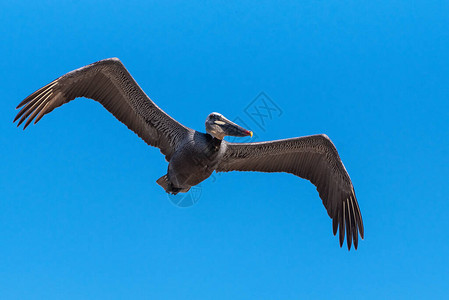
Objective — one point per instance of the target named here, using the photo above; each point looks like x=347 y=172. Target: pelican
x=192 y=156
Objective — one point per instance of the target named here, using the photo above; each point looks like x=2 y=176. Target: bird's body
x=193 y=156
x=195 y=160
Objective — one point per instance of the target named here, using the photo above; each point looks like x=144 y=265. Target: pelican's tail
x=165 y=183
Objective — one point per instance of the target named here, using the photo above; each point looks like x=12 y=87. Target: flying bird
x=193 y=155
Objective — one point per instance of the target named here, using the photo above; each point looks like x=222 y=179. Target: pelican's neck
x=214 y=141
x=216 y=135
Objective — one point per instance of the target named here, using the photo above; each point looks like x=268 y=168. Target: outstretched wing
x=312 y=157
x=108 y=82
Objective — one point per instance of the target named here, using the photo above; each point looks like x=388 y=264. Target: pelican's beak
x=232 y=129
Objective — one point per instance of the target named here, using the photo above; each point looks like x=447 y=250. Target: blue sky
x=81 y=216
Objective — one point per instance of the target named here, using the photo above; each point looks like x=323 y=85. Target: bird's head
x=219 y=127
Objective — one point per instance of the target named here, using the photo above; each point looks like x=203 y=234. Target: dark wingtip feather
x=342 y=226
x=20 y=113
x=15 y=118
x=33 y=95
x=28 y=122
x=354 y=227
x=358 y=215
x=348 y=226
x=334 y=225
x=342 y=237
x=24 y=101
x=355 y=237
x=362 y=233
x=39 y=116
x=21 y=120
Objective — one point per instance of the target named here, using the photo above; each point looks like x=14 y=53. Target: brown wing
x=312 y=157
x=108 y=82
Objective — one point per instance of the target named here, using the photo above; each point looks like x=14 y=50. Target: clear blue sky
x=81 y=216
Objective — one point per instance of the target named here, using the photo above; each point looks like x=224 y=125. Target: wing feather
x=314 y=158
x=109 y=83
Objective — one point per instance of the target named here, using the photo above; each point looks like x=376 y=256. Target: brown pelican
x=193 y=155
